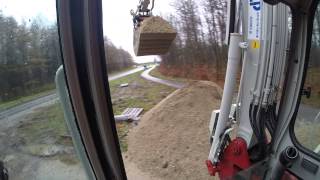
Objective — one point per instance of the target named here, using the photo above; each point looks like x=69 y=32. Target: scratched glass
x=307 y=127
x=34 y=140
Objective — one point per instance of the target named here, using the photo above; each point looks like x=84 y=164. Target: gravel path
x=174 y=84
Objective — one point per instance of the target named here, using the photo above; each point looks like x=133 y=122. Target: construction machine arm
x=141 y=12
x=143 y=9
x=143 y=5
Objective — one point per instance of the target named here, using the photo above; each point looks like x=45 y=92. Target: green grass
x=43 y=91
x=115 y=83
x=44 y=128
x=122 y=130
x=121 y=71
x=140 y=93
x=48 y=122
x=43 y=123
x=307 y=133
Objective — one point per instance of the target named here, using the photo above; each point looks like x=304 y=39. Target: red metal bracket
x=235 y=158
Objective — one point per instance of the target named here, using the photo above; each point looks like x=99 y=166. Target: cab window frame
x=293 y=121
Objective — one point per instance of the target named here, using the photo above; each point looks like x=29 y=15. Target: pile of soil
x=172 y=139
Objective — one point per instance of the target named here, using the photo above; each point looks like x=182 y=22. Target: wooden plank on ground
x=129 y=114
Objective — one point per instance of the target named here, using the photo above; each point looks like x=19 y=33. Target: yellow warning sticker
x=255 y=44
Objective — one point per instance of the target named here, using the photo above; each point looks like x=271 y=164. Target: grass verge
x=45 y=123
x=307 y=133
x=121 y=71
x=46 y=90
x=156 y=73
x=140 y=94
x=43 y=91
x=46 y=126
x=45 y=130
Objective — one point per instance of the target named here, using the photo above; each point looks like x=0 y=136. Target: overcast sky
x=117 y=21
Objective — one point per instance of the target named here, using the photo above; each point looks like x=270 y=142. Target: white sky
x=27 y=9
x=117 y=21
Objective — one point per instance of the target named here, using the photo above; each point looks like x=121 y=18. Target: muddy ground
x=36 y=144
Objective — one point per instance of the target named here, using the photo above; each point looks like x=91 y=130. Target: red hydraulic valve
x=235 y=158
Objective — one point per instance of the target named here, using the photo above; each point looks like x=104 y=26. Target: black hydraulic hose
x=272 y=117
x=270 y=127
x=260 y=119
x=262 y=124
x=274 y=112
x=250 y=117
x=256 y=120
x=253 y=125
x=253 y=120
x=272 y=122
x=269 y=121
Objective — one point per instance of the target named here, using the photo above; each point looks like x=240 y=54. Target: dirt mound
x=171 y=141
x=156 y=24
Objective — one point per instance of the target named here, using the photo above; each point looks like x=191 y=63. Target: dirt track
x=171 y=141
x=174 y=84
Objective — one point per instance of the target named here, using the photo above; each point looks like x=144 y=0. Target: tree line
x=116 y=58
x=30 y=55
x=198 y=50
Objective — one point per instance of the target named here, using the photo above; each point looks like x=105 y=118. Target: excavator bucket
x=153 y=37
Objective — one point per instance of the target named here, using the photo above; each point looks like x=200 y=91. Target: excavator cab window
x=307 y=125
x=35 y=140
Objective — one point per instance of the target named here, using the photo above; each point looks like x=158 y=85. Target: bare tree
x=116 y=58
x=215 y=17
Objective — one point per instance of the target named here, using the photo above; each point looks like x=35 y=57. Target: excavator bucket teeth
x=153 y=37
